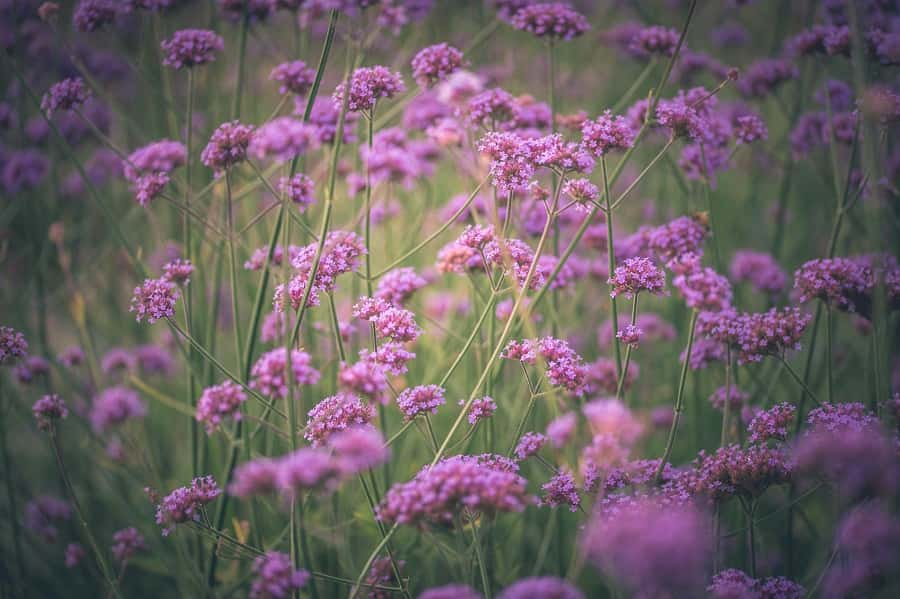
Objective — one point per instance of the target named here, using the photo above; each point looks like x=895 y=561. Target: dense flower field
x=450 y=299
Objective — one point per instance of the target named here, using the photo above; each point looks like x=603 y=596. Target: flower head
x=67 y=94
x=12 y=345
x=228 y=146
x=336 y=413
x=553 y=20
x=218 y=403
x=154 y=300
x=275 y=577
x=435 y=63
x=48 y=409
x=367 y=86
x=295 y=77
x=299 y=189
x=635 y=275
x=188 y=48
x=268 y=375
x=126 y=544
x=185 y=504
x=420 y=400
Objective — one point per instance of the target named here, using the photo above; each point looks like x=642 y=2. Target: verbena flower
x=704 y=289
x=178 y=271
x=334 y=414
x=772 y=424
x=358 y=449
x=438 y=494
x=269 y=373
x=185 y=504
x=606 y=133
x=553 y=20
x=435 y=63
x=255 y=10
x=841 y=282
x=162 y=156
x=759 y=269
x=12 y=345
x=733 y=396
x=74 y=554
x=298 y=189
x=294 y=76
x=67 y=94
x=541 y=586
x=275 y=577
x=114 y=406
x=450 y=591
x=481 y=408
x=48 y=409
x=154 y=300
x=219 y=402
x=398 y=285
x=91 y=15
x=42 y=512
x=189 y=48
x=228 y=146
x=283 y=138
x=420 y=400
x=654 y=40
x=635 y=275
x=561 y=490
x=127 y=542
x=368 y=85
x=529 y=445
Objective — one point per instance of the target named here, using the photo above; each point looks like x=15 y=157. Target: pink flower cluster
x=219 y=402
x=185 y=504
x=565 y=368
x=336 y=413
x=439 y=493
x=340 y=254
x=269 y=373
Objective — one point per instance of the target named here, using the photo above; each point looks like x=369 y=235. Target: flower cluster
x=127 y=543
x=298 y=189
x=48 y=409
x=188 y=48
x=185 y=504
x=114 y=406
x=341 y=254
x=420 y=400
x=842 y=282
x=219 y=402
x=481 y=408
x=12 y=345
x=67 y=94
x=772 y=424
x=635 y=275
x=154 y=300
x=759 y=269
x=435 y=63
x=367 y=86
x=732 y=583
x=228 y=146
x=756 y=335
x=565 y=368
x=269 y=373
x=553 y=20
x=437 y=494
x=336 y=413
x=295 y=77
x=275 y=577
x=283 y=138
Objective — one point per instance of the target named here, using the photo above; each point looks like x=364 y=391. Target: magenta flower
x=127 y=543
x=275 y=577
x=481 y=408
x=228 y=146
x=635 y=275
x=541 y=586
x=298 y=189
x=91 y=15
x=162 y=156
x=12 y=345
x=114 y=406
x=334 y=414
x=188 y=48
x=185 y=504
x=153 y=300
x=48 y=409
x=67 y=94
x=842 y=282
x=268 y=375
x=759 y=269
x=367 y=86
x=554 y=20
x=435 y=63
x=295 y=77
x=529 y=445
x=218 y=403
x=420 y=400
x=704 y=289
x=606 y=133
x=772 y=424
x=178 y=271
x=561 y=490
x=398 y=285
x=283 y=139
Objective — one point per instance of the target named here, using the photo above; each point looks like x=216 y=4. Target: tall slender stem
x=726 y=408
x=368 y=224
x=485 y=580
x=611 y=266
x=624 y=375
x=242 y=53
x=10 y=488
x=98 y=554
x=232 y=259
x=679 y=397
x=829 y=348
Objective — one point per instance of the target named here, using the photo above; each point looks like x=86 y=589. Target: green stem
x=485 y=580
x=829 y=348
x=10 y=489
x=679 y=397
x=621 y=386
x=242 y=53
x=98 y=555
x=800 y=382
x=232 y=259
x=368 y=200
x=307 y=554
x=336 y=327
x=726 y=409
x=611 y=266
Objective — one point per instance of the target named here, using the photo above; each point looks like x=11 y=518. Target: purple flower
x=554 y=20
x=435 y=63
x=254 y=10
x=651 y=548
x=561 y=490
x=450 y=591
x=336 y=413
x=70 y=357
x=398 y=285
x=275 y=577
x=256 y=477
x=529 y=445
x=31 y=367
x=491 y=108
x=759 y=269
x=219 y=402
x=561 y=429
x=704 y=289
x=541 y=586
x=842 y=282
x=153 y=300
x=126 y=543
x=554 y=152
x=228 y=146
x=22 y=170
x=149 y=187
x=654 y=40
x=12 y=345
x=582 y=191
x=606 y=133
x=67 y=94
x=283 y=138
x=74 y=554
x=735 y=397
x=630 y=335
x=772 y=424
x=756 y=335
x=365 y=377
x=358 y=449
x=91 y=15
x=419 y=400
x=268 y=375
x=480 y=409
x=41 y=513
x=295 y=77
x=682 y=119
x=733 y=471
x=762 y=77
x=113 y=406
x=178 y=271
x=118 y=359
x=367 y=86
x=324 y=117
x=162 y=156
x=307 y=469
x=674 y=239
x=439 y=493
x=185 y=504
x=636 y=275
x=299 y=189
x=48 y=409
x=188 y=48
